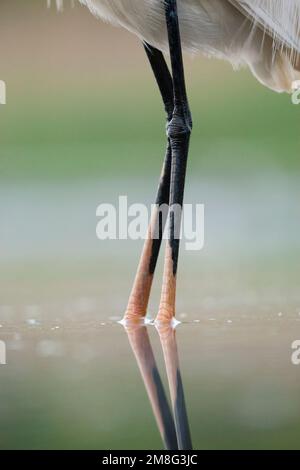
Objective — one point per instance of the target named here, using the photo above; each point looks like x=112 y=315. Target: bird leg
x=138 y=300
x=178 y=131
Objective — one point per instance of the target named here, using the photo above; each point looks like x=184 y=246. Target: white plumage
x=261 y=34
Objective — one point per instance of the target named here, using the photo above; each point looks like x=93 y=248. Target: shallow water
x=78 y=385
x=72 y=378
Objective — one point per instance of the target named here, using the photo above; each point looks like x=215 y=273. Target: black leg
x=138 y=300
x=179 y=130
x=163 y=78
x=165 y=84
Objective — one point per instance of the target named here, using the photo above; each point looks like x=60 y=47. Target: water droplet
x=175 y=323
x=32 y=322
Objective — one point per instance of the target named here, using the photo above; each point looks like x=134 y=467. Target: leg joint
x=180 y=126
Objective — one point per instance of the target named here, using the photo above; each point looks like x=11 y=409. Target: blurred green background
x=82 y=102
x=84 y=124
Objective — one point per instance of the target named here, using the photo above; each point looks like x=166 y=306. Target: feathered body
x=261 y=34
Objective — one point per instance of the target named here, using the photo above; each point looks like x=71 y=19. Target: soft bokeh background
x=84 y=124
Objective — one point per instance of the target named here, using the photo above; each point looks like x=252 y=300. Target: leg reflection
x=141 y=346
x=167 y=336
x=175 y=436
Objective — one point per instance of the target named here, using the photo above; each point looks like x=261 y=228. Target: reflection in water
x=167 y=336
x=175 y=436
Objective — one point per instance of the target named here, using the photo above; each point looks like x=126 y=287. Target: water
x=75 y=379
x=79 y=385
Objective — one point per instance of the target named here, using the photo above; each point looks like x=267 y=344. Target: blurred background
x=82 y=125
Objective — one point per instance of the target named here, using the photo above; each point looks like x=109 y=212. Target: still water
x=95 y=385
x=77 y=379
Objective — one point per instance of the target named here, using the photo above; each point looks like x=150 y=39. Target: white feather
x=262 y=34
x=280 y=18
